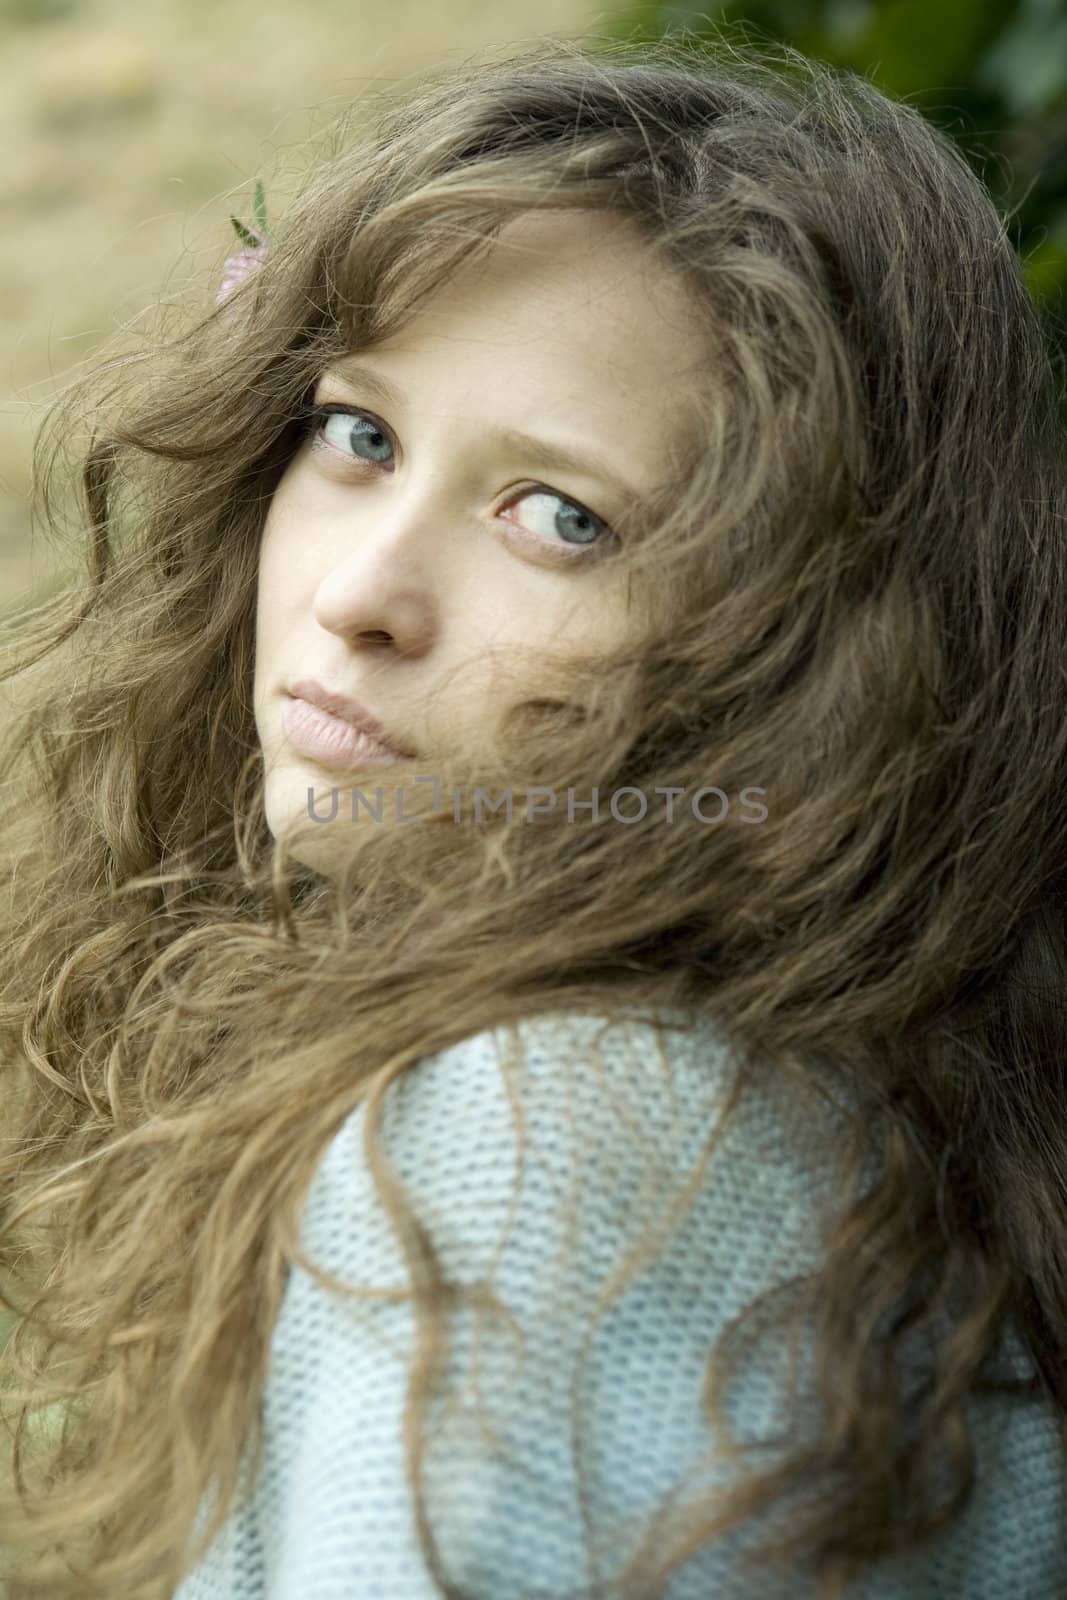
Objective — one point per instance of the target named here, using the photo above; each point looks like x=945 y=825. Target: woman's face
x=409 y=550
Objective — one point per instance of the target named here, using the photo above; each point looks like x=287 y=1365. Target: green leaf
x=260 y=206
x=243 y=234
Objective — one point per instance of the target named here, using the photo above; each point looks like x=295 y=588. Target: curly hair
x=858 y=599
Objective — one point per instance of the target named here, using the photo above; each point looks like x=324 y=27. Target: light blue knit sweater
x=611 y=1136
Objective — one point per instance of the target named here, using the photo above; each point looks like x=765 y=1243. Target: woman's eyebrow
x=539 y=452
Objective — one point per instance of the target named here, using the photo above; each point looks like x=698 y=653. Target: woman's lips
x=330 y=740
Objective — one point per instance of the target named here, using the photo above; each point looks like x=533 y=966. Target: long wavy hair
x=857 y=602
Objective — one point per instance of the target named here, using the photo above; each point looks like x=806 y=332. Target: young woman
x=533 y=989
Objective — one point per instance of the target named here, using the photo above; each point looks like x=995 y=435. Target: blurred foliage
x=991 y=73
x=19 y=12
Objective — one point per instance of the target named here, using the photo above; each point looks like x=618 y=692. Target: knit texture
x=616 y=1117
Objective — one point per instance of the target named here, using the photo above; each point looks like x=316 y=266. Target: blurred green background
x=991 y=73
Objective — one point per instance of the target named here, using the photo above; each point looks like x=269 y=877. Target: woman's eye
x=360 y=436
x=353 y=428
x=570 y=521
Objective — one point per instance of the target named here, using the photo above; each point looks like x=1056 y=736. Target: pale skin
x=405 y=556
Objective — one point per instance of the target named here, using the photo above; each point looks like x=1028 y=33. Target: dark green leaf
x=243 y=233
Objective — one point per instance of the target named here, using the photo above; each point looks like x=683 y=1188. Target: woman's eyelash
x=312 y=418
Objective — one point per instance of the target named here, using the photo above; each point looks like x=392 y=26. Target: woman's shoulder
x=658 y=1075
x=592 y=1127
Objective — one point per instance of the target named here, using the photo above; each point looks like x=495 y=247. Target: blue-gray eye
x=573 y=526
x=360 y=427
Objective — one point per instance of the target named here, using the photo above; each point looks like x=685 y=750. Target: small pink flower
x=242 y=266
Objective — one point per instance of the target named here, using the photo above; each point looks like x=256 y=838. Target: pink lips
x=329 y=739
x=337 y=705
